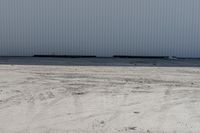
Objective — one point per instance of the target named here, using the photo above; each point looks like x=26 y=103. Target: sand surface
x=46 y=95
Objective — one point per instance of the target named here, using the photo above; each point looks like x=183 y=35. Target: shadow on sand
x=129 y=62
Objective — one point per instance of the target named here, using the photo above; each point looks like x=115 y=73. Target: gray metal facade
x=100 y=27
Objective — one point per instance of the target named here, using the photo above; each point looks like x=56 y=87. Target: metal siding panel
x=100 y=27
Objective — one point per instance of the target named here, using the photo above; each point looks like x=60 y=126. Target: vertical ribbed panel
x=100 y=27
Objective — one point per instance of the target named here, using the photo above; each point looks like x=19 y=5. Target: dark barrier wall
x=100 y=27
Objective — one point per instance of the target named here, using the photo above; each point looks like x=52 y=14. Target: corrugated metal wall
x=100 y=27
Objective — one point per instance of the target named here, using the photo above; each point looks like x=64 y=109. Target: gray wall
x=100 y=27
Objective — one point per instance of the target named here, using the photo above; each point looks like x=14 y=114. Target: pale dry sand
x=45 y=95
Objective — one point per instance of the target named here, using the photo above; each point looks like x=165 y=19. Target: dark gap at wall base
x=157 y=57
x=115 y=56
x=92 y=56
